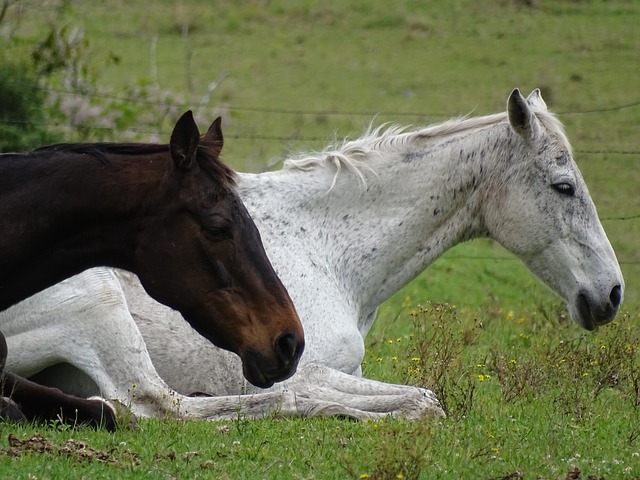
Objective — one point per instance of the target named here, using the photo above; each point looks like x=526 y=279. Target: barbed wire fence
x=131 y=100
x=284 y=111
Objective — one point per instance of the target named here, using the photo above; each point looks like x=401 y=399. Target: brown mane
x=102 y=150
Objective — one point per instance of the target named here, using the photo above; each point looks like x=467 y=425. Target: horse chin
x=256 y=378
x=253 y=370
x=589 y=314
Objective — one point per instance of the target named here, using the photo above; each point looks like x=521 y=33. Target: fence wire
x=279 y=138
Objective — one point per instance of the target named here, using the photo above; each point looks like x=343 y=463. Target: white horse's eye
x=564 y=188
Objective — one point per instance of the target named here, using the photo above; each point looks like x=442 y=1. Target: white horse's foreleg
x=260 y=405
x=324 y=383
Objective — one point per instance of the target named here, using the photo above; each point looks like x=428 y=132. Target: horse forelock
x=352 y=155
x=215 y=167
x=554 y=126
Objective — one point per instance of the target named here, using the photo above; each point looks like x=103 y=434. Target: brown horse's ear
x=213 y=138
x=184 y=141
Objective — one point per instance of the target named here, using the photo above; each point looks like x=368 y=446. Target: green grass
x=524 y=393
x=296 y=74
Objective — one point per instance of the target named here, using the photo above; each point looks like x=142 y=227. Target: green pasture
x=528 y=393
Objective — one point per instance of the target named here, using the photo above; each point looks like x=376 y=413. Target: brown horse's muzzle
x=263 y=370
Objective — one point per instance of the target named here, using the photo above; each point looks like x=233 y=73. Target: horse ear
x=213 y=138
x=184 y=141
x=535 y=100
x=520 y=116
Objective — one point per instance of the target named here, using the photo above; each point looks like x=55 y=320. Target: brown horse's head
x=231 y=295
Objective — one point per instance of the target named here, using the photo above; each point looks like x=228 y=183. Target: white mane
x=352 y=154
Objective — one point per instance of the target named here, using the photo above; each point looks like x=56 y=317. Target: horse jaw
x=592 y=290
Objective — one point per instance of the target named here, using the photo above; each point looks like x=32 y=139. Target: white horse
x=345 y=229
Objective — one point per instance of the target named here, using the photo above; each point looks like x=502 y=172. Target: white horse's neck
x=423 y=195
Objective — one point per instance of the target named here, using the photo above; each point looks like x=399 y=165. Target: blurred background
x=291 y=76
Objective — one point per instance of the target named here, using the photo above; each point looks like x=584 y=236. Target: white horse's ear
x=520 y=117
x=535 y=100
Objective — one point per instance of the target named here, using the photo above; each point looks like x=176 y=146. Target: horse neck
x=424 y=198
x=63 y=215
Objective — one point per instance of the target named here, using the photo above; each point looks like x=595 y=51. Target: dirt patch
x=573 y=474
x=77 y=451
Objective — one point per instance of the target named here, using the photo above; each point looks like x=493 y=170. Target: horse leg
x=40 y=403
x=26 y=400
x=10 y=411
x=284 y=404
x=322 y=383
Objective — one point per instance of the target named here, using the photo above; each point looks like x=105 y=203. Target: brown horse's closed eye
x=168 y=213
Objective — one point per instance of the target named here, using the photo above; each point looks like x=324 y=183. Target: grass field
x=528 y=393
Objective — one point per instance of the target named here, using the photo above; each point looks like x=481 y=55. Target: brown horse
x=168 y=213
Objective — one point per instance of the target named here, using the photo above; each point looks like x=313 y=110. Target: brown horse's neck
x=63 y=213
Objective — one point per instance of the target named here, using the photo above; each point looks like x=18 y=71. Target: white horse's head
x=539 y=208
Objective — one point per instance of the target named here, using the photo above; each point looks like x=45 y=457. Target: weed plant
x=514 y=387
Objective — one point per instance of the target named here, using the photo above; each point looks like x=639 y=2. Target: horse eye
x=217 y=227
x=218 y=232
x=564 y=189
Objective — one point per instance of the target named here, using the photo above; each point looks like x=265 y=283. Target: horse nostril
x=616 y=296
x=288 y=347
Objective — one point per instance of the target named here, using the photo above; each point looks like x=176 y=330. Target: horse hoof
x=10 y=412
x=114 y=414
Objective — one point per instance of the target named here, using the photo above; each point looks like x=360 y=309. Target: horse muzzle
x=263 y=370
x=593 y=312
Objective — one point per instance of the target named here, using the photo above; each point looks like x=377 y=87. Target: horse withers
x=169 y=213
